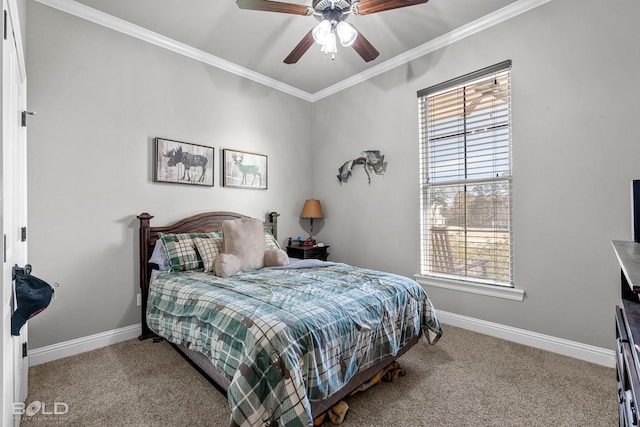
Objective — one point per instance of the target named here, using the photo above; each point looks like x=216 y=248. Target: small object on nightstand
x=320 y=245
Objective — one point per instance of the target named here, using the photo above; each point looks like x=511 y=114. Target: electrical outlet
x=139 y=300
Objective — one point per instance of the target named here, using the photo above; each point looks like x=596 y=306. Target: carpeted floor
x=467 y=379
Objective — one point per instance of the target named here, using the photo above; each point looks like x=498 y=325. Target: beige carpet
x=467 y=379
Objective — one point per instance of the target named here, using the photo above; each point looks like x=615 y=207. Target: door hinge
x=23 y=234
x=24 y=349
x=4 y=29
x=4 y=247
x=24 y=117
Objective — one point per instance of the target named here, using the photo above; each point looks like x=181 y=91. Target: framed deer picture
x=244 y=170
x=183 y=163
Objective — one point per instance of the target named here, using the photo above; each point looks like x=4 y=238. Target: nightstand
x=308 y=252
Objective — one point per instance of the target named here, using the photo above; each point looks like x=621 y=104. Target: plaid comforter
x=288 y=337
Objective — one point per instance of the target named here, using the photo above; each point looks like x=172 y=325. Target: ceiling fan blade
x=364 y=48
x=366 y=7
x=300 y=49
x=273 y=6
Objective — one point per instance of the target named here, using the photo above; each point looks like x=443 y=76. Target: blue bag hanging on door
x=33 y=295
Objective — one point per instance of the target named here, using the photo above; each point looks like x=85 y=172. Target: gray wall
x=575 y=150
x=101 y=98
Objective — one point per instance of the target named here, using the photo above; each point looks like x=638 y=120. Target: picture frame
x=241 y=169
x=183 y=163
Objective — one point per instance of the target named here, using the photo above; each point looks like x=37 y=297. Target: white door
x=14 y=210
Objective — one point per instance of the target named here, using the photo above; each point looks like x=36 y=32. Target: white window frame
x=497 y=287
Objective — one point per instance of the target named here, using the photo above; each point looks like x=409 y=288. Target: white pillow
x=159 y=256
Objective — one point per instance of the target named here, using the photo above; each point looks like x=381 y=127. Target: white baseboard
x=52 y=352
x=589 y=353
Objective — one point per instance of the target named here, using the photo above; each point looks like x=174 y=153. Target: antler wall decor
x=371 y=160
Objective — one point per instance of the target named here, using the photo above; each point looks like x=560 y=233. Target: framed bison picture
x=183 y=163
x=244 y=170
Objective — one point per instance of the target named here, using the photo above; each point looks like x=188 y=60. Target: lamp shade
x=312 y=209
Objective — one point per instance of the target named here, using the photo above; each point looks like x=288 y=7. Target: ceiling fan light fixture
x=346 y=33
x=329 y=46
x=321 y=32
x=332 y=13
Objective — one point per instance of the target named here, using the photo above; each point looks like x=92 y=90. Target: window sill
x=473 y=288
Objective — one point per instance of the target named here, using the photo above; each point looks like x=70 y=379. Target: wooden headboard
x=201 y=223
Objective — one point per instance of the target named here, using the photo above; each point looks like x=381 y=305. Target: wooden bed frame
x=205 y=223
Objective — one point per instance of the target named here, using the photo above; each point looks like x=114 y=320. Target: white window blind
x=465 y=177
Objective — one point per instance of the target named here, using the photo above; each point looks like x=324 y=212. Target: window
x=465 y=177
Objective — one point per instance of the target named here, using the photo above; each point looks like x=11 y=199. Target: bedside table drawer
x=308 y=252
x=315 y=253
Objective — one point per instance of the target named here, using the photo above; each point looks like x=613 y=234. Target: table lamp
x=312 y=210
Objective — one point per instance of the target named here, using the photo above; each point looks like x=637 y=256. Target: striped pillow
x=209 y=249
x=181 y=250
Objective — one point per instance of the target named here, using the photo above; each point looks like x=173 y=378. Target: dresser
x=628 y=332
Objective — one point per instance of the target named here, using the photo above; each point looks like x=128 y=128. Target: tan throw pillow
x=209 y=249
x=275 y=258
x=226 y=265
x=244 y=238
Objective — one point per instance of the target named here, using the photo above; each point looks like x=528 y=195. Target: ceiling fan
x=332 y=28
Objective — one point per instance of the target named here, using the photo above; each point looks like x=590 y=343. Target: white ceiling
x=259 y=41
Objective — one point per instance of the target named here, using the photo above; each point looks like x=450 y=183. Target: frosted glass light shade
x=321 y=32
x=346 y=33
x=329 y=45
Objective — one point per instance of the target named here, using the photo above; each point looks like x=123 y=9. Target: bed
x=285 y=344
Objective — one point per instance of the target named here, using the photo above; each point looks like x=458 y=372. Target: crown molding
x=487 y=21
x=90 y=14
